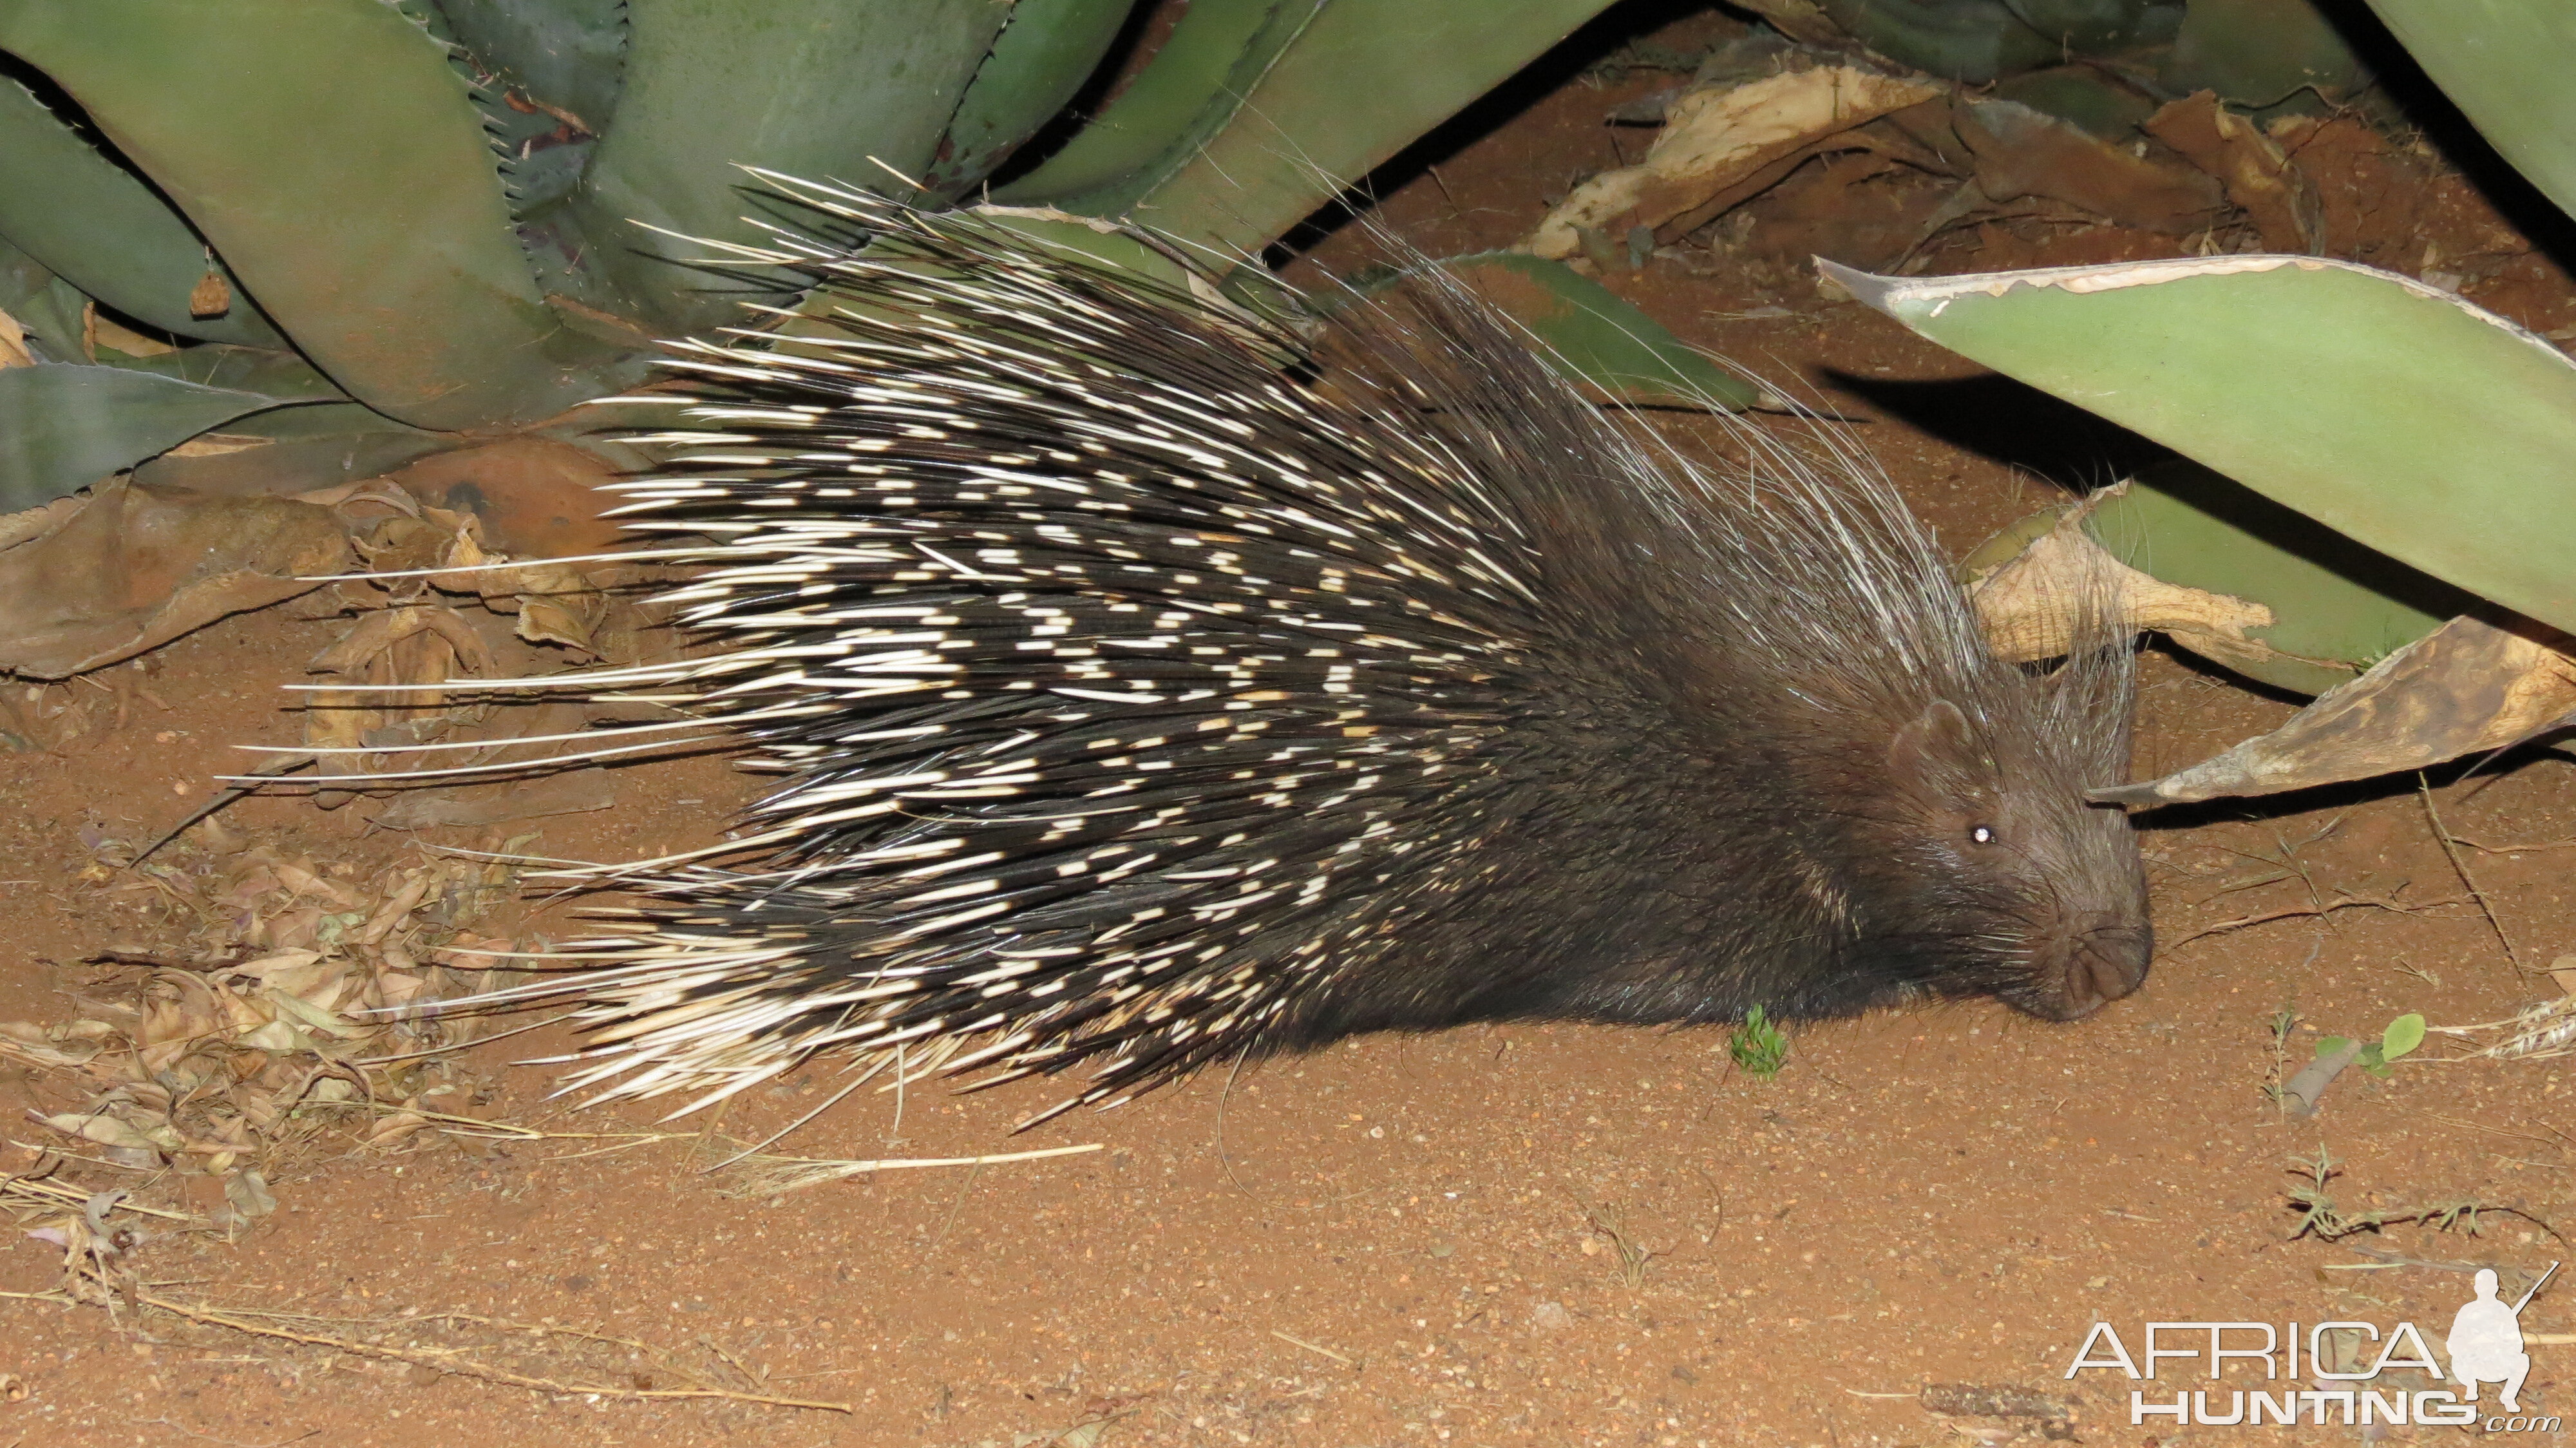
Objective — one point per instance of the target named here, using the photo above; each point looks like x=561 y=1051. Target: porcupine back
x=1145 y=702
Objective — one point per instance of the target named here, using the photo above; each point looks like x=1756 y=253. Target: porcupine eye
x=1981 y=834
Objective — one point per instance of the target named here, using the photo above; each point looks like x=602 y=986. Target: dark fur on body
x=1251 y=713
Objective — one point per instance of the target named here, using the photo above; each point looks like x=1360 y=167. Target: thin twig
x=950 y=1220
x=284 y=764
x=2532 y=847
x=73 y=1196
x=2305 y=912
x=2451 y=851
x=1313 y=1348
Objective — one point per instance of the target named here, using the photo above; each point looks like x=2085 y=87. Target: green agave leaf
x=2506 y=64
x=2089 y=26
x=331 y=155
x=2395 y=413
x=314 y=444
x=1965 y=40
x=64 y=427
x=2262 y=52
x=103 y=230
x=1256 y=112
x=2337 y=607
x=1191 y=87
x=281 y=375
x=1596 y=336
x=339 y=420
x=545 y=79
x=2095 y=101
x=856 y=91
x=567 y=53
x=1042 y=57
x=1362 y=81
x=48 y=307
x=1109 y=243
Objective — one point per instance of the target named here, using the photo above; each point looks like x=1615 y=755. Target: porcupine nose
x=2105 y=960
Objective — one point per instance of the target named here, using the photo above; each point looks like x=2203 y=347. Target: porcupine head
x=1144 y=702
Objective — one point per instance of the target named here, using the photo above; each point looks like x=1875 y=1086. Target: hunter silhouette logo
x=2486 y=1341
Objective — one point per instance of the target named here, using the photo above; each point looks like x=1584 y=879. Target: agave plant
x=351 y=233
x=252 y=251
x=2378 y=512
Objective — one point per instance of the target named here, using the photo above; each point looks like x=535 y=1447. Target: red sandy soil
x=1411 y=1240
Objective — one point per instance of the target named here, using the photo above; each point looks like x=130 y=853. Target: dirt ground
x=1544 y=1234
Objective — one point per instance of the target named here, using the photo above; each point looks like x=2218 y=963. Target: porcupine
x=1157 y=685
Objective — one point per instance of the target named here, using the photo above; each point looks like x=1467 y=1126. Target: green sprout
x=1758 y=1046
x=2402 y=1035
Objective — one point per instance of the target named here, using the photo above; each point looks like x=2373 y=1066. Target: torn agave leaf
x=2470 y=687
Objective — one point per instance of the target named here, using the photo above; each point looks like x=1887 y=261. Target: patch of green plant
x=2321 y=1218
x=2401 y=1036
x=1606 y=1225
x=1758 y=1046
x=2283 y=1022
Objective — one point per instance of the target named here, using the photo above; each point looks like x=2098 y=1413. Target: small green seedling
x=2403 y=1035
x=1759 y=1047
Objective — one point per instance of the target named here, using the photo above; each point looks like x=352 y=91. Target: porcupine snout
x=2103 y=958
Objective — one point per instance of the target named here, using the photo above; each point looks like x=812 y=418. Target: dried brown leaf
x=98 y=1127
x=132 y=567
x=1720 y=145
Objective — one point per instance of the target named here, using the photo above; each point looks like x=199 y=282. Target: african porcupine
x=1146 y=701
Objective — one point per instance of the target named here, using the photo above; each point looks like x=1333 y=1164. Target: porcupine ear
x=1936 y=751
